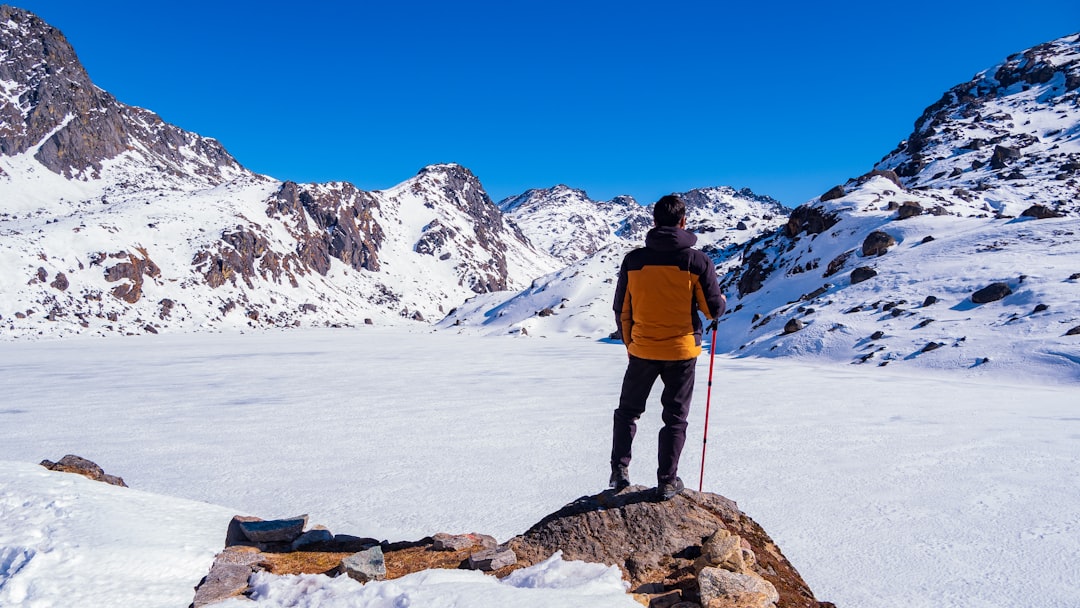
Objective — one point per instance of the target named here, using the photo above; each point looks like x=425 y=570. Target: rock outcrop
x=658 y=544
x=84 y=467
x=697 y=548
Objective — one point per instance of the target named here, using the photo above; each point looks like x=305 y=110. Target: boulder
x=877 y=243
x=719 y=588
x=274 y=530
x=1074 y=331
x=813 y=220
x=316 y=538
x=364 y=566
x=492 y=559
x=657 y=542
x=1003 y=155
x=929 y=301
x=223 y=582
x=84 y=467
x=793 y=326
x=834 y=193
x=1041 y=212
x=861 y=274
x=991 y=293
x=457 y=542
x=909 y=209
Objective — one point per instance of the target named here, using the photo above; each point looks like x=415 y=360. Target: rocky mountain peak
x=42 y=77
x=50 y=104
x=1003 y=138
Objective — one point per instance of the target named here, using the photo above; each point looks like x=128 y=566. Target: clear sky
x=614 y=97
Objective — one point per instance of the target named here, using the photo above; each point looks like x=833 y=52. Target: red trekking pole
x=708 y=399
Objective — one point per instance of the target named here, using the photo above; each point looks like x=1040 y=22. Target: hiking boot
x=620 y=478
x=667 y=491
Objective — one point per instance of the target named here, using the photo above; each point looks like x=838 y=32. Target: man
x=661 y=288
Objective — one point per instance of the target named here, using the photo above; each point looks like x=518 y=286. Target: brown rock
x=834 y=193
x=862 y=273
x=909 y=209
x=223 y=582
x=656 y=542
x=793 y=326
x=1041 y=212
x=720 y=588
x=877 y=243
x=84 y=467
x=60 y=282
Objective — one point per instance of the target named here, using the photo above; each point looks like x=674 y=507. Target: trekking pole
x=708 y=399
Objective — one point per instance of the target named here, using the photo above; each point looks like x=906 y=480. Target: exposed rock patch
x=991 y=293
x=84 y=467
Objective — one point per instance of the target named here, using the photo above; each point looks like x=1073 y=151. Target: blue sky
x=627 y=97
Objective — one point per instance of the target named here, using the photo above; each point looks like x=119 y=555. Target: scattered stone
x=991 y=293
x=725 y=550
x=928 y=238
x=877 y=335
x=817 y=292
x=223 y=582
x=316 y=537
x=1074 y=276
x=492 y=559
x=877 y=243
x=897 y=311
x=929 y=301
x=834 y=193
x=853 y=309
x=1040 y=308
x=909 y=209
x=60 y=282
x=84 y=467
x=837 y=263
x=1041 y=212
x=741 y=226
x=814 y=220
x=547 y=312
x=368 y=321
x=932 y=346
x=720 y=588
x=1074 y=331
x=862 y=273
x=793 y=326
x=274 y=530
x=457 y=542
x=364 y=566
x=924 y=323
x=1002 y=156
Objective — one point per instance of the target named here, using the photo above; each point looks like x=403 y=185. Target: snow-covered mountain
x=593 y=236
x=884 y=269
x=113 y=221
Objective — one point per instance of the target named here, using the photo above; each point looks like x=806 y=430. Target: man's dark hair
x=669 y=210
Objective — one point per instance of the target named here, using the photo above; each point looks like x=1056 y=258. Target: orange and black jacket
x=661 y=288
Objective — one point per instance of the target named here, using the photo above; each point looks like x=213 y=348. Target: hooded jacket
x=661 y=288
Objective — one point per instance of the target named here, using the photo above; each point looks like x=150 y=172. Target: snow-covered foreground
x=884 y=488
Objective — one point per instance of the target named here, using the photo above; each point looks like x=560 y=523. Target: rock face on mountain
x=985 y=185
x=114 y=221
x=571 y=226
x=1011 y=129
x=75 y=126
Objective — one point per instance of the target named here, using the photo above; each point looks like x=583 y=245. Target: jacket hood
x=669 y=238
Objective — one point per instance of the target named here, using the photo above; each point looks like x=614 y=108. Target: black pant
x=641 y=374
